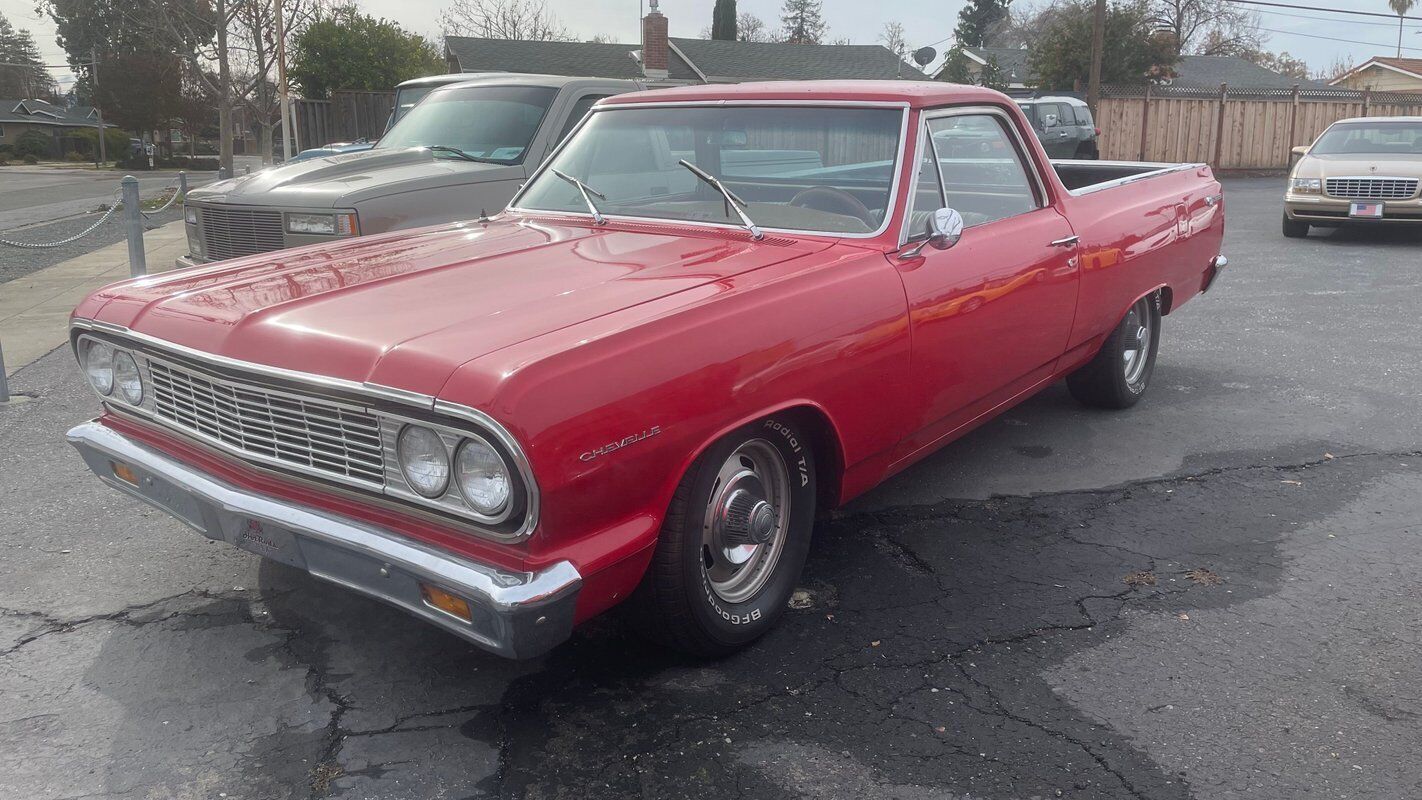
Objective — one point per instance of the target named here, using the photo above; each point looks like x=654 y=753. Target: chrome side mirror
x=945 y=228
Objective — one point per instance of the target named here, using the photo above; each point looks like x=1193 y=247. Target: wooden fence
x=347 y=116
x=1230 y=128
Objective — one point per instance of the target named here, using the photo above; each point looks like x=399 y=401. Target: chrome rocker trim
x=516 y=614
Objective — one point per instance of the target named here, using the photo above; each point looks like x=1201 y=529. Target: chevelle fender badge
x=620 y=443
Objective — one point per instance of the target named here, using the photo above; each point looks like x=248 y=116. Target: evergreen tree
x=804 y=21
x=723 y=21
x=978 y=20
x=29 y=78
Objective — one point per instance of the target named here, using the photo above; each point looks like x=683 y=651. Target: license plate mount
x=263 y=539
x=1366 y=210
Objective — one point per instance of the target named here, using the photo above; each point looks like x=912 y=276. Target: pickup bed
x=713 y=313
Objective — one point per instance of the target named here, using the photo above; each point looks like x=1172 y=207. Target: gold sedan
x=1364 y=170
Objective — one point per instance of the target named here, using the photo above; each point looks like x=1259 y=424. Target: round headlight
x=482 y=476
x=99 y=365
x=423 y=460
x=126 y=377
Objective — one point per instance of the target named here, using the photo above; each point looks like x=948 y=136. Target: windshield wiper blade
x=443 y=148
x=735 y=203
x=587 y=192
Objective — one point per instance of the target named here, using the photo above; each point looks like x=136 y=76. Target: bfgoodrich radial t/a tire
x=733 y=542
x=1119 y=374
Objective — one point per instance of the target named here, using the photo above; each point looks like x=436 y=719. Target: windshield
x=817 y=169
x=490 y=123
x=1373 y=138
x=405 y=99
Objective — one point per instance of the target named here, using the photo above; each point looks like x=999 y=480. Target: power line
x=1321 y=8
x=1335 y=39
x=1391 y=25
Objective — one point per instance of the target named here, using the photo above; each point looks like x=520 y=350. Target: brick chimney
x=655 y=54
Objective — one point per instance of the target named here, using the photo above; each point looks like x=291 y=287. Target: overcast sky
x=1311 y=35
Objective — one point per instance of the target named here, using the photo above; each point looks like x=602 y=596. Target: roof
x=1012 y=60
x=722 y=60
x=584 y=59
x=691 y=60
x=40 y=112
x=1211 y=71
x=1408 y=66
x=916 y=94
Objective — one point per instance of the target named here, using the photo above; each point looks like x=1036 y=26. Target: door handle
x=1069 y=241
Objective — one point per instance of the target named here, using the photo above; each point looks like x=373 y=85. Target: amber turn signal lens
x=124 y=472
x=451 y=604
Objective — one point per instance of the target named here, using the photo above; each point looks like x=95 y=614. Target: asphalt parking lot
x=1212 y=595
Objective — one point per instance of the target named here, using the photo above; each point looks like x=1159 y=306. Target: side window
x=983 y=174
x=1068 y=116
x=580 y=110
x=928 y=192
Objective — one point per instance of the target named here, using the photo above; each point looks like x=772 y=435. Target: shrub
x=75 y=156
x=33 y=144
x=30 y=159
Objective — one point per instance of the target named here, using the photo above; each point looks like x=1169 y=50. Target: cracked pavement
x=1213 y=595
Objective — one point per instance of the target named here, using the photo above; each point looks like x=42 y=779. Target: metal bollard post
x=4 y=381
x=182 y=183
x=222 y=174
x=133 y=224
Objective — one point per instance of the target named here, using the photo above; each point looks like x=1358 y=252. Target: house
x=1203 y=72
x=18 y=117
x=1383 y=74
x=662 y=60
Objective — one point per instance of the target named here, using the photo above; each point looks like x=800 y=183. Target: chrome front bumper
x=515 y=614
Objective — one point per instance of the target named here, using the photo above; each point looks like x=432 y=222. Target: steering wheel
x=834 y=201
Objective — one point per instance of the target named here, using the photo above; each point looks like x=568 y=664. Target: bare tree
x=503 y=19
x=750 y=28
x=1334 y=71
x=892 y=37
x=1207 y=27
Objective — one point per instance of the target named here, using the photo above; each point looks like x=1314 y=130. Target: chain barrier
x=113 y=207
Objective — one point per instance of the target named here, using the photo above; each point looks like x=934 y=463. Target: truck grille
x=314 y=435
x=231 y=232
x=1372 y=188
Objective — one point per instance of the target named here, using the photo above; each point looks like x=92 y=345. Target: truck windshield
x=490 y=123
x=814 y=169
x=1372 y=138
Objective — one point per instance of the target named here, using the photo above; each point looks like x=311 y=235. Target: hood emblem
x=1373 y=168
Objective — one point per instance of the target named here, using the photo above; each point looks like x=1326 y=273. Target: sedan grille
x=313 y=435
x=231 y=232
x=1372 y=188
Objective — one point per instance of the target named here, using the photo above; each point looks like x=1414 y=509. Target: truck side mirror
x=945 y=228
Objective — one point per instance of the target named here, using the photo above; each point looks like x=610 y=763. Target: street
x=1211 y=595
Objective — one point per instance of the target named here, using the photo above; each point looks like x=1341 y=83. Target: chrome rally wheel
x=1119 y=373
x=1137 y=333
x=743 y=529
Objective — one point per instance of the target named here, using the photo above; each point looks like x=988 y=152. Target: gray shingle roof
x=1210 y=71
x=777 y=61
x=715 y=59
x=15 y=111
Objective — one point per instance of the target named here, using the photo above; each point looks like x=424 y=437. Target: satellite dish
x=924 y=56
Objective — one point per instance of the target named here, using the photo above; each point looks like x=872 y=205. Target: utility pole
x=282 y=88
x=94 y=71
x=1098 y=43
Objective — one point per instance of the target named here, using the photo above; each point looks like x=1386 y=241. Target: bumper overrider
x=513 y=614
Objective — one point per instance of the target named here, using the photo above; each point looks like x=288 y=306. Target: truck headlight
x=321 y=224
x=127 y=377
x=189 y=215
x=424 y=461
x=482 y=476
x=98 y=360
x=1305 y=185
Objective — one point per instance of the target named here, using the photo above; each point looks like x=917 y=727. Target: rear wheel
x=1086 y=151
x=1295 y=228
x=733 y=542
x=1119 y=374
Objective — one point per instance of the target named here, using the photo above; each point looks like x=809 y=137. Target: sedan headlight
x=98 y=360
x=424 y=461
x=1305 y=185
x=127 y=378
x=482 y=476
x=321 y=224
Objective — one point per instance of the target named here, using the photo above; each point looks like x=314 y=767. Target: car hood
x=407 y=309
x=347 y=179
x=1389 y=165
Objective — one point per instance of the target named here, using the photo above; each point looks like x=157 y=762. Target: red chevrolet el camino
x=713 y=313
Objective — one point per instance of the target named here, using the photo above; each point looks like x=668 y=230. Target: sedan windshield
x=1371 y=138
x=823 y=169
x=485 y=123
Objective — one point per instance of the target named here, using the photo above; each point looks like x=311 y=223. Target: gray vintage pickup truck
x=464 y=149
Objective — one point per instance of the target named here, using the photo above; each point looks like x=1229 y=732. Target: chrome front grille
x=1371 y=188
x=228 y=232
x=314 y=435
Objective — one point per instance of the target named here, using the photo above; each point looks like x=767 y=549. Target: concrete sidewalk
x=34 y=309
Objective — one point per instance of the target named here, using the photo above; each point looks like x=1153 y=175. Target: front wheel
x=1295 y=228
x=1118 y=375
x=733 y=542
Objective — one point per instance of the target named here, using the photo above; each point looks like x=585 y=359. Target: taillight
x=1098 y=131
